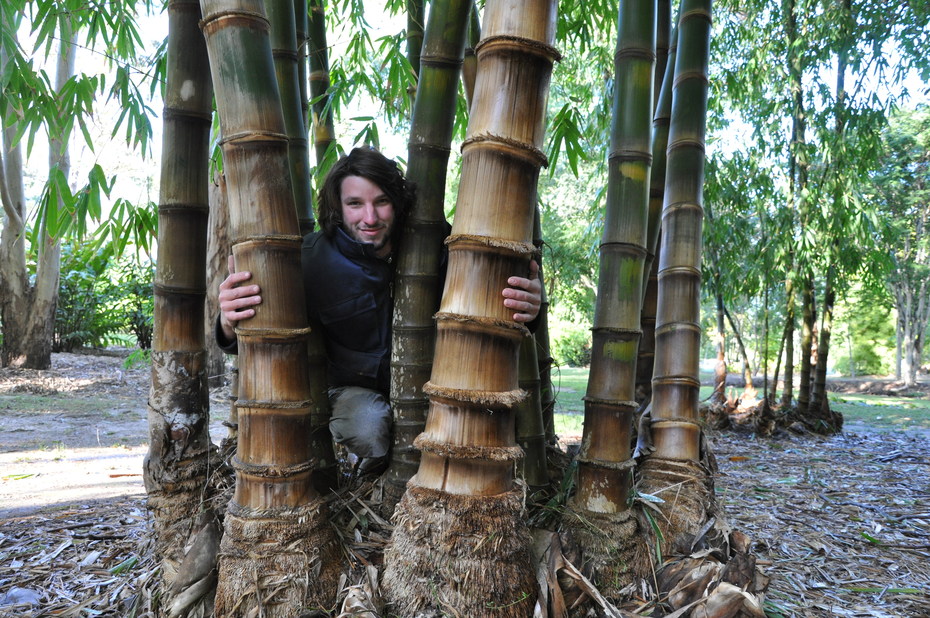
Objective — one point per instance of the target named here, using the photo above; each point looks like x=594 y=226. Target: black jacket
x=349 y=298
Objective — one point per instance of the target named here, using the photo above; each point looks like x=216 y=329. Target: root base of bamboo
x=463 y=555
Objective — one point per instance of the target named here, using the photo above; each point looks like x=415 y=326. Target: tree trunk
x=788 y=392
x=181 y=457
x=808 y=315
x=27 y=310
x=278 y=552
x=747 y=366
x=417 y=279
x=459 y=538
x=819 y=415
x=673 y=470
x=719 y=396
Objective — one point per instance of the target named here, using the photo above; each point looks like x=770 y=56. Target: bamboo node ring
x=271 y=471
x=627 y=464
x=518 y=248
x=246 y=137
x=537 y=48
x=209 y=20
x=525 y=151
x=504 y=399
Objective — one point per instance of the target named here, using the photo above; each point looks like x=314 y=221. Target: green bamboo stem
x=322 y=127
x=286 y=64
x=604 y=481
x=675 y=428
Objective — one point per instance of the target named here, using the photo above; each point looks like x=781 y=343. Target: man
x=348 y=276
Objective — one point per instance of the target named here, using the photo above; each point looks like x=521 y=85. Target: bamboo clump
x=459 y=527
x=278 y=553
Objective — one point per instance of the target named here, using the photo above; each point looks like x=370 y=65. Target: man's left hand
x=524 y=295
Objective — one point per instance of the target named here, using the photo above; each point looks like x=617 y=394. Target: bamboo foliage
x=278 y=552
x=459 y=538
x=675 y=429
x=604 y=464
x=181 y=455
x=417 y=276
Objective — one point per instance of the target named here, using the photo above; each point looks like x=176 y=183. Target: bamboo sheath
x=283 y=38
x=417 y=275
x=675 y=429
x=604 y=476
x=181 y=454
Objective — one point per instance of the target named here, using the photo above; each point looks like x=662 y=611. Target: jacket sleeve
x=228 y=346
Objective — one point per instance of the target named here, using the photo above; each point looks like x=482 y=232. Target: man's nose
x=370 y=214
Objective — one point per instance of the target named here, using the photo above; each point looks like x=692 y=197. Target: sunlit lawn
x=881 y=412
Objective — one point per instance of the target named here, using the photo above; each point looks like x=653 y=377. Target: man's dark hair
x=370 y=164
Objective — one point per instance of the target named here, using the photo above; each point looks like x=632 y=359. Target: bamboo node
x=467 y=451
x=508 y=326
x=633 y=332
x=420 y=146
x=491 y=399
x=625 y=154
x=693 y=271
x=620 y=403
x=677 y=326
x=274 y=405
x=273 y=333
x=256 y=239
x=629 y=248
x=525 y=151
x=171 y=113
x=627 y=464
x=271 y=470
x=176 y=290
x=208 y=20
x=635 y=53
x=286 y=54
x=532 y=46
x=686 y=142
x=676 y=381
x=518 y=248
x=440 y=61
x=252 y=137
x=177 y=208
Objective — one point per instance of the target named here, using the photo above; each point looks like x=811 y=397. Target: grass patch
x=878 y=411
x=65 y=403
x=883 y=412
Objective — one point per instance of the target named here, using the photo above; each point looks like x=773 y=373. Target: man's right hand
x=237 y=301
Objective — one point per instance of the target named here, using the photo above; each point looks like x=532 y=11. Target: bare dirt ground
x=840 y=524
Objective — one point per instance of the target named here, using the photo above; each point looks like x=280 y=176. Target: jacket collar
x=351 y=248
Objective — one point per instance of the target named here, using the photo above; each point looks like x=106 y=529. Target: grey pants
x=361 y=421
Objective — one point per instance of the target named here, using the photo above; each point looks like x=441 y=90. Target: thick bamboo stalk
x=543 y=350
x=808 y=316
x=284 y=50
x=531 y=433
x=603 y=482
x=673 y=471
x=181 y=456
x=675 y=429
x=278 y=552
x=605 y=470
x=459 y=528
x=321 y=115
x=415 y=19
x=417 y=276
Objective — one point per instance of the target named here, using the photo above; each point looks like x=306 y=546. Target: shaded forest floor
x=840 y=524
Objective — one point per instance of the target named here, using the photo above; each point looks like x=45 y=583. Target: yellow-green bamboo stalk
x=417 y=276
x=324 y=132
x=181 y=456
x=278 y=552
x=605 y=471
x=286 y=64
x=673 y=471
x=459 y=539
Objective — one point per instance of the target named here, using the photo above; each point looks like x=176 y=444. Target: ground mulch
x=840 y=524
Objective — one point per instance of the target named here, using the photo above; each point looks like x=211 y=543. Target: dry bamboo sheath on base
x=278 y=553
x=459 y=540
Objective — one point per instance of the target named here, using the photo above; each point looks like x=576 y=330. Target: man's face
x=367 y=213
